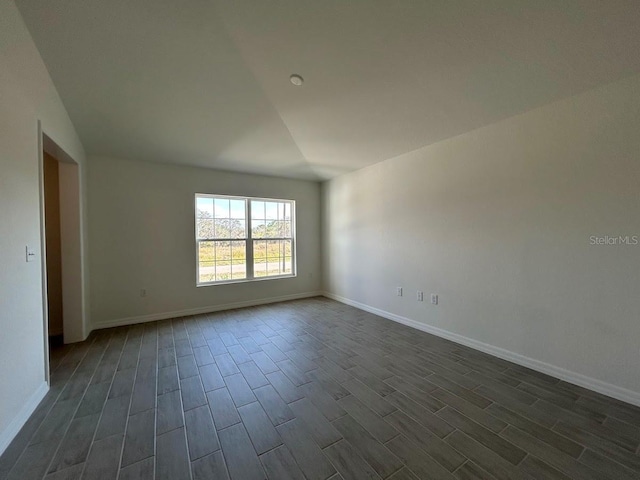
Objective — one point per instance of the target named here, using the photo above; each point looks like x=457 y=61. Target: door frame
x=72 y=252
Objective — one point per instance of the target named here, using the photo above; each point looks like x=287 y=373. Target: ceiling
x=205 y=82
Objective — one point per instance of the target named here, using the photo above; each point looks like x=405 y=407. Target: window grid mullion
x=249 y=240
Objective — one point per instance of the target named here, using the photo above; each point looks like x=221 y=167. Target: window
x=244 y=238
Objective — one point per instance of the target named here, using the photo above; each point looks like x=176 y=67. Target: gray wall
x=498 y=223
x=142 y=237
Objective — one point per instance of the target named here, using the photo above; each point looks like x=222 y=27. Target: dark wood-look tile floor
x=310 y=389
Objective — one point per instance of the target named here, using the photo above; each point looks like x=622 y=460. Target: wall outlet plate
x=420 y=296
x=399 y=291
x=434 y=299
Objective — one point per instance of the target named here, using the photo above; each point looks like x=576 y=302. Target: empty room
x=321 y=240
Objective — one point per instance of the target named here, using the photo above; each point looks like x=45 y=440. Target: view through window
x=244 y=238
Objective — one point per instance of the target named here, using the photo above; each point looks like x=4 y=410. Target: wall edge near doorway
x=21 y=418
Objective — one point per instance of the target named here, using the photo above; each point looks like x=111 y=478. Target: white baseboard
x=9 y=433
x=590 y=383
x=200 y=310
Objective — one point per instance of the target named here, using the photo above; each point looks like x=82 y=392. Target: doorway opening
x=61 y=244
x=53 y=250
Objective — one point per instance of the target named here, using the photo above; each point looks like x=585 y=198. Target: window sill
x=244 y=280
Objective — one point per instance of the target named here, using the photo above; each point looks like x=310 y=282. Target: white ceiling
x=205 y=82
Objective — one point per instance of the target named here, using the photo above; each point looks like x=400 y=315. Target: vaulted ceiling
x=206 y=82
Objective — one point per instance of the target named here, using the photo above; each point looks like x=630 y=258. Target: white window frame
x=248 y=239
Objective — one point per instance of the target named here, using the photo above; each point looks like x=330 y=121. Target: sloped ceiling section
x=205 y=82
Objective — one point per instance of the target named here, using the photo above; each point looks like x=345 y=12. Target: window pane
x=271 y=209
x=260 y=269
x=223 y=253
x=238 y=209
x=238 y=251
x=238 y=260
x=257 y=210
x=223 y=261
x=204 y=205
x=286 y=229
x=287 y=265
x=259 y=258
x=270 y=229
x=273 y=266
x=259 y=250
x=221 y=208
x=204 y=227
x=206 y=267
x=222 y=229
x=286 y=248
x=204 y=216
x=221 y=276
x=258 y=228
x=237 y=228
x=273 y=257
x=273 y=248
x=276 y=229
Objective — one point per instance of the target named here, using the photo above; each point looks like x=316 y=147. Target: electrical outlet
x=420 y=296
x=30 y=254
x=434 y=299
x=399 y=291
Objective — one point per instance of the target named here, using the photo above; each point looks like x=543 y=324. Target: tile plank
x=416 y=460
x=104 y=459
x=348 y=463
x=239 y=389
x=313 y=463
x=172 y=459
x=505 y=449
x=222 y=408
x=169 y=412
x=202 y=438
x=439 y=450
x=261 y=431
x=374 y=453
x=192 y=393
x=139 y=438
x=280 y=465
x=277 y=410
x=76 y=444
x=242 y=462
x=210 y=467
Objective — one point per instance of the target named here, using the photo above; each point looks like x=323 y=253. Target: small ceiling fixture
x=296 y=79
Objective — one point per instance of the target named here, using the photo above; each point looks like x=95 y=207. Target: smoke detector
x=296 y=79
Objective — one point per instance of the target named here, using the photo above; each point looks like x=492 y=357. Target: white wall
x=26 y=96
x=498 y=223
x=74 y=273
x=141 y=223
